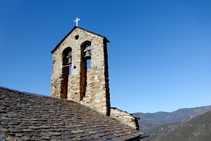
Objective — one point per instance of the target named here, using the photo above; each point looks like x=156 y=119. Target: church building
x=80 y=73
x=73 y=79
x=79 y=106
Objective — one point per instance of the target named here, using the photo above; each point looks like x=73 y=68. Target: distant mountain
x=154 y=119
x=194 y=129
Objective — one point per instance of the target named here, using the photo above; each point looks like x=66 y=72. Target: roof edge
x=71 y=32
x=22 y=92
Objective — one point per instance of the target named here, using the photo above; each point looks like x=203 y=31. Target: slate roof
x=25 y=116
x=72 y=31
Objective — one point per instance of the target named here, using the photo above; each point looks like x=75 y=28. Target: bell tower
x=80 y=69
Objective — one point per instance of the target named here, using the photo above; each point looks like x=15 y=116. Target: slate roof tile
x=25 y=116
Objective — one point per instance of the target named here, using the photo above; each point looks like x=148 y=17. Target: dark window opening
x=67 y=57
x=85 y=63
x=76 y=37
x=66 y=71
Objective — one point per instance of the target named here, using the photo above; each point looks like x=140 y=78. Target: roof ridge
x=23 y=92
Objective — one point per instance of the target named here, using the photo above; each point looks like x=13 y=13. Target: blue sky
x=159 y=51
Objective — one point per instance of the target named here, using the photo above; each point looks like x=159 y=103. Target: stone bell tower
x=71 y=77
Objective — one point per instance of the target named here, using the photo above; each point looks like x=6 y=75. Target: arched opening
x=85 y=63
x=66 y=71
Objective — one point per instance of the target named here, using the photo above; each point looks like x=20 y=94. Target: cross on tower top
x=77 y=19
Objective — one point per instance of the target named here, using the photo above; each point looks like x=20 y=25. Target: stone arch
x=65 y=54
x=66 y=71
x=83 y=73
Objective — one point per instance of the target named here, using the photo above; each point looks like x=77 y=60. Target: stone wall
x=125 y=117
x=89 y=87
x=94 y=91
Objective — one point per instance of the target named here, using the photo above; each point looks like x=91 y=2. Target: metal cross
x=77 y=21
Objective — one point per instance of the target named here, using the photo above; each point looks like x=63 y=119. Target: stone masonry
x=125 y=117
x=84 y=85
x=88 y=86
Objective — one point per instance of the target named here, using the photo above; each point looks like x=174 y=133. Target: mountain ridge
x=194 y=129
x=148 y=120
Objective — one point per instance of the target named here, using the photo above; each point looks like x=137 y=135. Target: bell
x=87 y=55
x=69 y=60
